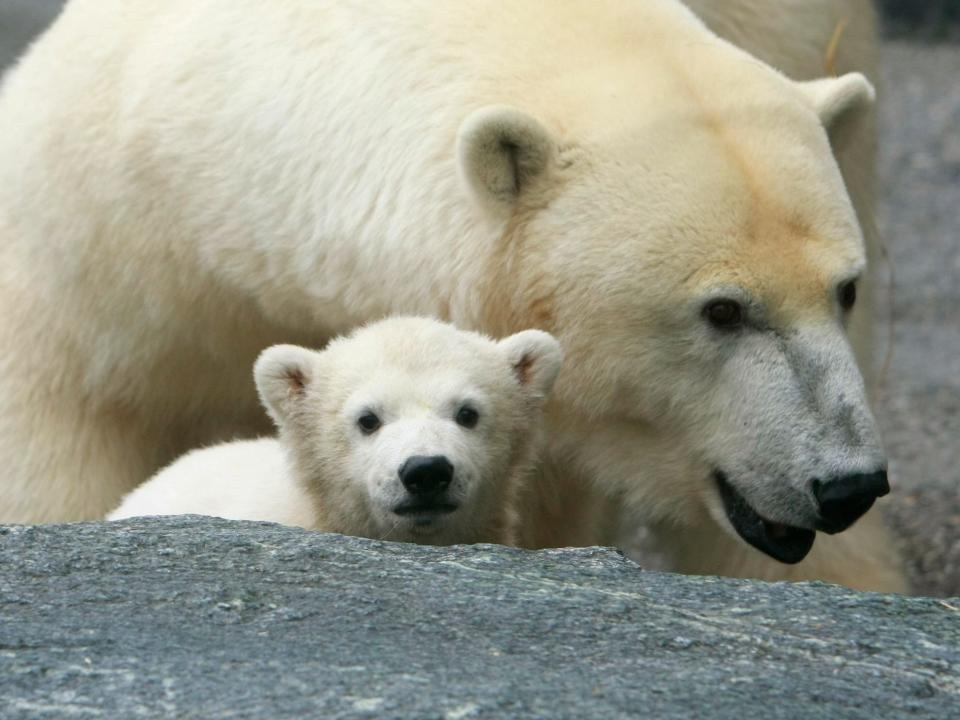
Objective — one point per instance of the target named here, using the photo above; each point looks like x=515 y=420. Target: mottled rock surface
x=203 y=618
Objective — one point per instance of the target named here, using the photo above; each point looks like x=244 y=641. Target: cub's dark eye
x=724 y=314
x=847 y=294
x=369 y=423
x=467 y=417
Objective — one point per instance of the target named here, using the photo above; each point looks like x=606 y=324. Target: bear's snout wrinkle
x=844 y=500
x=425 y=476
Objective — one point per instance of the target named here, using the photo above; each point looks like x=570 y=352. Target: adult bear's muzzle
x=844 y=500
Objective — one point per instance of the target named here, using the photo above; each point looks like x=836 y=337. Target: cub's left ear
x=840 y=101
x=535 y=357
x=282 y=374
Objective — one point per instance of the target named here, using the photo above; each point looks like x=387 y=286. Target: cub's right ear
x=282 y=374
x=501 y=150
x=535 y=357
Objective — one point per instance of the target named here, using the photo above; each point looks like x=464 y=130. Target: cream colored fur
x=239 y=480
x=807 y=40
x=204 y=178
x=324 y=472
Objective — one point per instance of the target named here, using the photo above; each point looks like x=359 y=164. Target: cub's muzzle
x=426 y=480
x=426 y=476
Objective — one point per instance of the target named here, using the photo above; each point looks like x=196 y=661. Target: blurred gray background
x=923 y=19
x=20 y=21
x=920 y=217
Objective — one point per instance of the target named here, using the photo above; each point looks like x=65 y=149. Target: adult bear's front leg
x=65 y=462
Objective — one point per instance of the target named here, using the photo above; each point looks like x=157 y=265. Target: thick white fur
x=807 y=40
x=203 y=179
x=240 y=480
x=324 y=473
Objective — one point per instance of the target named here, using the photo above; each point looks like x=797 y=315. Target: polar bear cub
x=408 y=429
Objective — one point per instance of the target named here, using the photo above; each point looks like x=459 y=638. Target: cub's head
x=410 y=429
x=686 y=234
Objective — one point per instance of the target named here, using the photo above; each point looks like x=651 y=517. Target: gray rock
x=203 y=618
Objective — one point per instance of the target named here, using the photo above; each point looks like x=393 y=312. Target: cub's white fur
x=183 y=183
x=327 y=472
x=240 y=480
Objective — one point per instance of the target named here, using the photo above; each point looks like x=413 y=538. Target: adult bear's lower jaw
x=784 y=543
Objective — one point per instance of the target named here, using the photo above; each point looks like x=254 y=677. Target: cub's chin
x=433 y=524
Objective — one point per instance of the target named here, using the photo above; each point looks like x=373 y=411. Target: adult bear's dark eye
x=847 y=294
x=467 y=417
x=724 y=314
x=369 y=423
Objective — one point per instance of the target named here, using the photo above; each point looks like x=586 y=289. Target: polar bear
x=408 y=429
x=204 y=179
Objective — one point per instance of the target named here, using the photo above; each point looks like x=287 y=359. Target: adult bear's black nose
x=426 y=476
x=843 y=500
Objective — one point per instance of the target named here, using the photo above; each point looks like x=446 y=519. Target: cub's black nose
x=843 y=500
x=426 y=476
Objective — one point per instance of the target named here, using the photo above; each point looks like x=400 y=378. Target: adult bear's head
x=690 y=241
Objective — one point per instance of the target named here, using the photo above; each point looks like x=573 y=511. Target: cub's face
x=410 y=429
x=428 y=452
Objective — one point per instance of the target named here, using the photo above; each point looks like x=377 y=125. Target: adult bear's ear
x=282 y=374
x=840 y=102
x=535 y=357
x=501 y=150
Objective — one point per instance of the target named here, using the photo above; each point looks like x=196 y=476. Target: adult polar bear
x=185 y=183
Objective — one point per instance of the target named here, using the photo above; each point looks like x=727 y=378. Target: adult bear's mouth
x=781 y=542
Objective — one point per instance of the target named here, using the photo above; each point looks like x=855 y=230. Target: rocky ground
x=201 y=618
x=920 y=194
